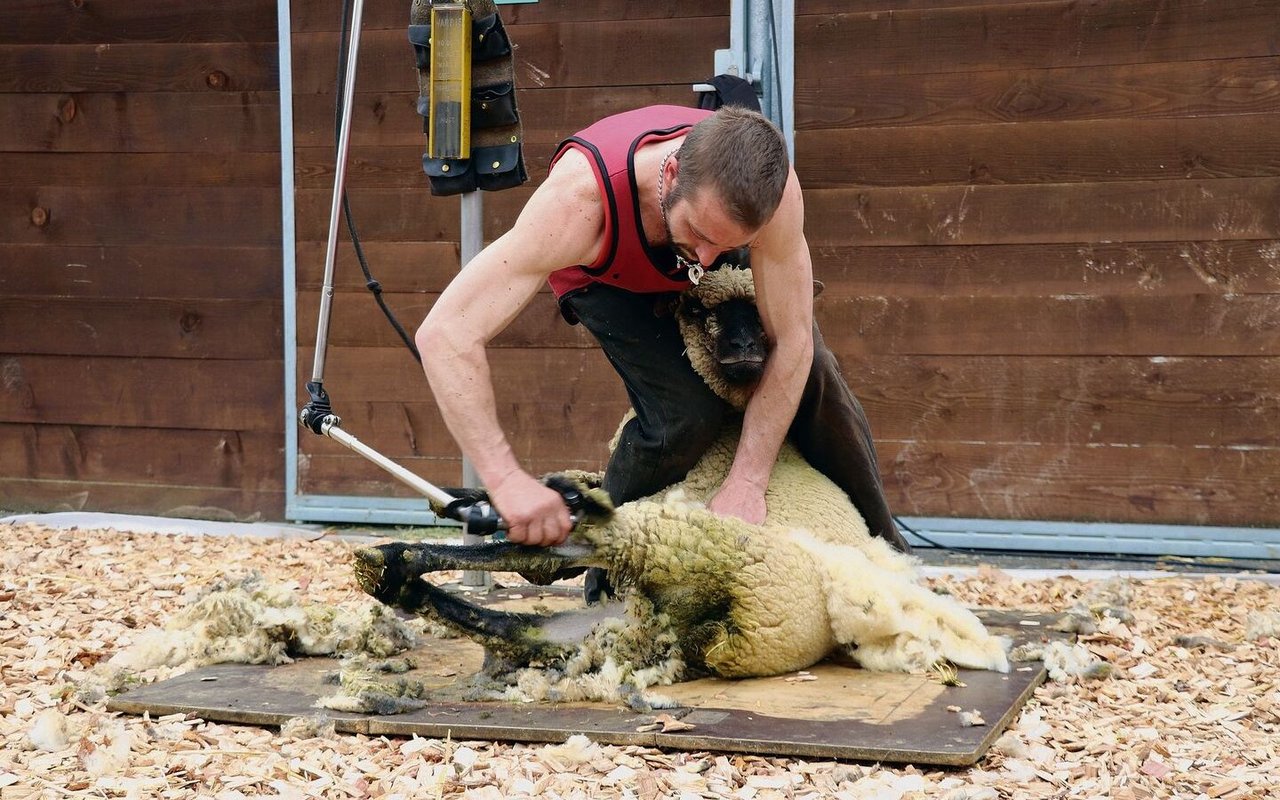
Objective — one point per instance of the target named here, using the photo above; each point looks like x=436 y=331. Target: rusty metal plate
x=842 y=712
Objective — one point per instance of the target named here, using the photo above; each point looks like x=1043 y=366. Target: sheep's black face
x=740 y=342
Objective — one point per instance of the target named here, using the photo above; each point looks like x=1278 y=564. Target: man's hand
x=535 y=514
x=740 y=499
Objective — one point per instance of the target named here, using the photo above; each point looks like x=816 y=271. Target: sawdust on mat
x=1191 y=707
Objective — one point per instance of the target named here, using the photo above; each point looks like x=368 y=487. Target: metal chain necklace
x=693 y=269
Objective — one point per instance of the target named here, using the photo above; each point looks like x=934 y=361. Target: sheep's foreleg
x=391 y=573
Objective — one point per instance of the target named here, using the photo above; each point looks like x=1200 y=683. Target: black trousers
x=678 y=416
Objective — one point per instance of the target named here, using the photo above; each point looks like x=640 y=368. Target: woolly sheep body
x=867 y=594
x=705 y=593
x=807 y=581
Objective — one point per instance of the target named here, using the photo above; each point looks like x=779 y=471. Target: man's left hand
x=739 y=499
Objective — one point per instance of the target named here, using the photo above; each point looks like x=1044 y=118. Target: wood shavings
x=1210 y=716
x=665 y=723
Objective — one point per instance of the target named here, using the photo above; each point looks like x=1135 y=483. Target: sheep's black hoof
x=598 y=588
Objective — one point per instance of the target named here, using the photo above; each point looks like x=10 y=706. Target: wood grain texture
x=224 y=504
x=326 y=15
x=219 y=395
x=1187 y=325
x=141 y=122
x=48 y=22
x=210 y=459
x=560 y=377
x=1147 y=484
x=1031 y=35
x=132 y=215
x=1090 y=401
x=358 y=322
x=129 y=67
x=1120 y=211
x=593 y=54
x=548 y=115
x=205 y=170
x=1082 y=268
x=140 y=272
x=1242 y=146
x=169 y=328
x=1222 y=87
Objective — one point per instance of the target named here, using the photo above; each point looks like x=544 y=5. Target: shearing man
x=634 y=208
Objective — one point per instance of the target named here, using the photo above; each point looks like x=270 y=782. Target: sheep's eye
x=695 y=308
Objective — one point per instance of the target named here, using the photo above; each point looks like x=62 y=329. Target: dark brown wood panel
x=583 y=54
x=383 y=167
x=399 y=215
x=1096 y=150
x=1076 y=325
x=559 y=376
x=219 y=395
x=1088 y=401
x=1097 y=269
x=225 y=504
x=326 y=15
x=170 y=328
x=137 y=272
x=133 y=215
x=390 y=119
x=66 y=22
x=141 y=122
x=548 y=429
x=353 y=475
x=140 y=169
x=398 y=266
x=807 y=7
x=210 y=67
x=144 y=455
x=863 y=42
x=1148 y=484
x=356 y=321
x=1147 y=91
x=1122 y=211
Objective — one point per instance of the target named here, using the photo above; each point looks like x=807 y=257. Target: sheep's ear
x=818 y=286
x=692 y=307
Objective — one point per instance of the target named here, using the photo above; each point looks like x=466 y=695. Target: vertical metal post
x=339 y=181
x=472 y=242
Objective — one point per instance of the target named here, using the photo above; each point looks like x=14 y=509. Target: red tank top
x=626 y=260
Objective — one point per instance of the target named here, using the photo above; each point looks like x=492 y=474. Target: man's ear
x=818 y=286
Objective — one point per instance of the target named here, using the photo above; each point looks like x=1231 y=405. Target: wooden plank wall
x=558 y=398
x=1049 y=235
x=140 y=281
x=1048 y=232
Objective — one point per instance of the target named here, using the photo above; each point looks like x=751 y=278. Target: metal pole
x=339 y=181
x=472 y=242
x=405 y=476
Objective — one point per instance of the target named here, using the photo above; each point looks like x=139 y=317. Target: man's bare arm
x=560 y=226
x=783 y=275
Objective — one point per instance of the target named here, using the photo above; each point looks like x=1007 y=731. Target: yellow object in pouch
x=449 y=123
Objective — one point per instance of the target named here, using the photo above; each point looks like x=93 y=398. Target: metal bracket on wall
x=762 y=52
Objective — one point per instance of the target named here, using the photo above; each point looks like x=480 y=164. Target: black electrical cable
x=370 y=283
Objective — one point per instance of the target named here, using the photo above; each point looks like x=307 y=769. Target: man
x=636 y=205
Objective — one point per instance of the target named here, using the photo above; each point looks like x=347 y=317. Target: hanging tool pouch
x=496 y=160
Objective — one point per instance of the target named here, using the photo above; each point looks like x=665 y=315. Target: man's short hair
x=741 y=156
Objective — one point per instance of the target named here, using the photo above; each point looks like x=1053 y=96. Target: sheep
x=706 y=594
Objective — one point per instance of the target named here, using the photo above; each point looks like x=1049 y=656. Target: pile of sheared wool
x=247 y=620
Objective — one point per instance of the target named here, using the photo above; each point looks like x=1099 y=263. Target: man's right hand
x=535 y=514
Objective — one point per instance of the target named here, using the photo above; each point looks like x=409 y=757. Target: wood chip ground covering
x=1178 y=717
